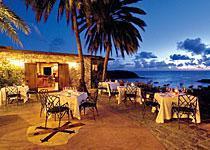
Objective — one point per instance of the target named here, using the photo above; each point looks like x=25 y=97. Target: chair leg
x=110 y=98
x=178 y=120
x=94 y=114
x=17 y=100
x=84 y=110
x=68 y=115
x=195 y=120
x=41 y=111
x=37 y=97
x=46 y=121
x=156 y=113
x=80 y=110
x=27 y=95
x=125 y=101
x=96 y=110
x=59 y=122
x=143 y=111
x=71 y=114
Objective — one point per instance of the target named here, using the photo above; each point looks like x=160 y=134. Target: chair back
x=131 y=90
x=70 y=88
x=111 y=89
x=52 y=101
x=11 y=90
x=121 y=83
x=94 y=96
x=147 y=96
x=43 y=95
x=187 y=101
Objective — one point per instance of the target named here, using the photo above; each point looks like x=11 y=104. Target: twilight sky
x=177 y=35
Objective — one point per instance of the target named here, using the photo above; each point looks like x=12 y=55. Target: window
x=47 y=71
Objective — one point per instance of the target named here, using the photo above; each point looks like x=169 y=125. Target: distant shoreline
x=204 y=81
x=122 y=74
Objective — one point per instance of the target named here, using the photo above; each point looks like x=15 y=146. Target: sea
x=174 y=78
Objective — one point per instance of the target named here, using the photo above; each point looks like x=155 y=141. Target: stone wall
x=20 y=57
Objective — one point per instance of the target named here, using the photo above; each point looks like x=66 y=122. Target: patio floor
x=116 y=127
x=111 y=130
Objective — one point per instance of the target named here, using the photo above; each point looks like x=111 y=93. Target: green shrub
x=10 y=74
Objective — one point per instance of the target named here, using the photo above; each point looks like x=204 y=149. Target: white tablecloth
x=23 y=91
x=165 y=100
x=74 y=100
x=121 y=96
x=113 y=86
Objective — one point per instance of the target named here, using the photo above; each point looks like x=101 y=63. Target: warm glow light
x=73 y=65
x=18 y=63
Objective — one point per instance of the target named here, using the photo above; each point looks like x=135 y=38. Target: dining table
x=23 y=89
x=165 y=101
x=121 y=95
x=73 y=99
x=112 y=85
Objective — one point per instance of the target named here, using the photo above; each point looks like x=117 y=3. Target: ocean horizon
x=174 y=78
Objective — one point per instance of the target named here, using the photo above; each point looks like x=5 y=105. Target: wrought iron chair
x=43 y=95
x=91 y=103
x=130 y=94
x=102 y=88
x=113 y=92
x=187 y=105
x=53 y=106
x=32 y=92
x=12 y=94
x=148 y=100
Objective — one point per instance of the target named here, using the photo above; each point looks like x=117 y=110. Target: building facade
x=52 y=70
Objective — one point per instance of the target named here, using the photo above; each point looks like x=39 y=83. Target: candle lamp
x=176 y=91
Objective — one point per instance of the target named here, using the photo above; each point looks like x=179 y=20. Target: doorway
x=47 y=76
x=51 y=76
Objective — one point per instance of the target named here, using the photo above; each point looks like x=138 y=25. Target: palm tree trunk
x=108 y=49
x=79 y=47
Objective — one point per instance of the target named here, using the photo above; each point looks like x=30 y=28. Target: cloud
x=179 y=57
x=117 y=64
x=180 y=65
x=193 y=45
x=145 y=55
x=36 y=29
x=36 y=33
x=153 y=64
x=205 y=60
x=190 y=64
x=141 y=64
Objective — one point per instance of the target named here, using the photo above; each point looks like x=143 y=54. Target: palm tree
x=10 y=22
x=112 y=23
x=70 y=7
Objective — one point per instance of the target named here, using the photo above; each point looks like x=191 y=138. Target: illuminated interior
x=47 y=76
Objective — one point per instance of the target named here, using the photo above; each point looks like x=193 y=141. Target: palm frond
x=6 y=27
x=10 y=16
x=113 y=24
x=127 y=2
x=9 y=21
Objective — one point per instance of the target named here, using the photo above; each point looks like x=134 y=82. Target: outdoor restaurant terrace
x=114 y=115
x=113 y=75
